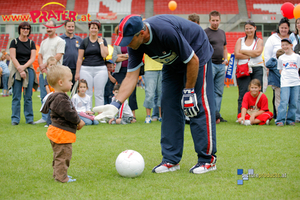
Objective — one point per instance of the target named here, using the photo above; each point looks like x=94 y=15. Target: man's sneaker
x=222 y=120
x=165 y=167
x=201 y=168
x=268 y=122
x=148 y=119
x=40 y=121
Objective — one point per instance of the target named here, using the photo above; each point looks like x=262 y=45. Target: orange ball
x=297 y=11
x=172 y=5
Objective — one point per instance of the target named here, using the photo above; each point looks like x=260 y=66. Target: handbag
x=243 y=69
x=254 y=109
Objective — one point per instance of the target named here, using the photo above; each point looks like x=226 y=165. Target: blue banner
x=230 y=67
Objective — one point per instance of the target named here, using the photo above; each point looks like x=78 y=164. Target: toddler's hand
x=80 y=125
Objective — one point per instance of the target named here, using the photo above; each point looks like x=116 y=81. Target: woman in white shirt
x=273 y=44
x=249 y=49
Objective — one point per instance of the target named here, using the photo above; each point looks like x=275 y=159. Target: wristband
x=116 y=103
x=100 y=43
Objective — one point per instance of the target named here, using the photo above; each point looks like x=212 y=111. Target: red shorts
x=263 y=117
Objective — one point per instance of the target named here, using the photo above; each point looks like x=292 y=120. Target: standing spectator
x=273 y=44
x=153 y=78
x=51 y=46
x=217 y=39
x=288 y=66
x=22 y=74
x=7 y=57
x=194 y=18
x=71 y=49
x=4 y=75
x=120 y=57
x=93 y=68
x=183 y=47
x=295 y=38
x=249 y=49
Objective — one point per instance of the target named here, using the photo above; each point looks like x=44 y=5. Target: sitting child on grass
x=255 y=106
x=124 y=116
x=82 y=103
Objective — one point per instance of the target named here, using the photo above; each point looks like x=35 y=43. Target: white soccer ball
x=130 y=163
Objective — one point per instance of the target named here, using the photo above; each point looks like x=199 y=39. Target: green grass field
x=26 y=156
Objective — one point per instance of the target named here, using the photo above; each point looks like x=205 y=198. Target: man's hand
x=80 y=125
x=189 y=102
x=77 y=76
x=107 y=112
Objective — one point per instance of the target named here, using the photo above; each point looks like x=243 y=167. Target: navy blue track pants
x=203 y=126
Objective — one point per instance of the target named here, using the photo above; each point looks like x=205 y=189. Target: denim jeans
x=155 y=111
x=43 y=93
x=5 y=81
x=288 y=104
x=298 y=107
x=152 y=82
x=88 y=121
x=16 y=99
x=218 y=76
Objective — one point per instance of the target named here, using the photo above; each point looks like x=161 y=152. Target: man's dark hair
x=68 y=20
x=214 y=13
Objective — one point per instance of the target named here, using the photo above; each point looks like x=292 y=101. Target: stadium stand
x=266 y=6
x=4 y=38
x=232 y=37
x=22 y=7
x=110 y=6
x=198 y=6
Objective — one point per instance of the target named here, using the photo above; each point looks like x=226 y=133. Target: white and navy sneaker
x=165 y=167
x=201 y=168
x=148 y=119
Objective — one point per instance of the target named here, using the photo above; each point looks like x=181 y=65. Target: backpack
x=297 y=47
x=86 y=42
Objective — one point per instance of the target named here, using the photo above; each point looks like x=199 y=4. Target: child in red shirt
x=262 y=115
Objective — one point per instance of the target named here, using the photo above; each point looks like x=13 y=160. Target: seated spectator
x=255 y=106
x=108 y=92
x=125 y=115
x=82 y=103
x=4 y=75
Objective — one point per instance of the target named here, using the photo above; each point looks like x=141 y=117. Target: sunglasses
x=25 y=28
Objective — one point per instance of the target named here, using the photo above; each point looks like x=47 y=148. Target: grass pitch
x=26 y=156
